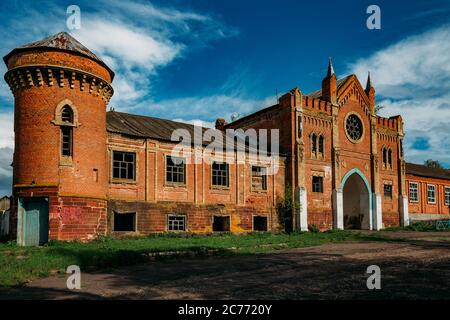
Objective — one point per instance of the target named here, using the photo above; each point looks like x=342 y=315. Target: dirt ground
x=416 y=268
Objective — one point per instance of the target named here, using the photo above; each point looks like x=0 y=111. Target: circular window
x=354 y=127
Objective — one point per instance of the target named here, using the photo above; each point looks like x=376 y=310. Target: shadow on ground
x=411 y=269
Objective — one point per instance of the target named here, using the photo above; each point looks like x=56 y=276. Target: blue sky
x=203 y=59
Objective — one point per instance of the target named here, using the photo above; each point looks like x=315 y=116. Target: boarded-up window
x=259 y=178
x=259 y=223
x=221 y=224
x=125 y=221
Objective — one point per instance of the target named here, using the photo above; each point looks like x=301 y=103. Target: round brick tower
x=60 y=171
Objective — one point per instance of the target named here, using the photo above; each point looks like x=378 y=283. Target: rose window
x=354 y=127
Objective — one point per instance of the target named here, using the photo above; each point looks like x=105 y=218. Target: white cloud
x=412 y=78
x=7 y=130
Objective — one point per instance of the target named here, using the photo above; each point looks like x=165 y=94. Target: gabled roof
x=63 y=42
x=318 y=93
x=424 y=171
x=138 y=126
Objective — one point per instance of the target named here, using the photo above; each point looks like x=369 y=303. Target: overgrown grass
x=20 y=264
x=423 y=226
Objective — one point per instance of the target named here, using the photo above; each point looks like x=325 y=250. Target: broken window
x=175 y=170
x=176 y=222
x=221 y=224
x=220 y=174
x=124 y=165
x=317 y=184
x=388 y=191
x=259 y=178
x=259 y=223
x=124 y=221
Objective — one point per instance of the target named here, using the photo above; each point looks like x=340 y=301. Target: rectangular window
x=259 y=178
x=317 y=184
x=176 y=222
x=413 y=192
x=431 y=193
x=66 y=141
x=388 y=191
x=175 y=170
x=221 y=224
x=124 y=165
x=259 y=223
x=220 y=174
x=447 y=196
x=124 y=221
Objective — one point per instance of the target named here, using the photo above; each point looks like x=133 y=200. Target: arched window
x=390 y=158
x=321 y=144
x=66 y=131
x=67 y=115
x=384 y=157
x=314 y=144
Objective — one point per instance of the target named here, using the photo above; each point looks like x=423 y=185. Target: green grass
x=20 y=264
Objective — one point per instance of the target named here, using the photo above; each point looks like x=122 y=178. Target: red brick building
x=80 y=172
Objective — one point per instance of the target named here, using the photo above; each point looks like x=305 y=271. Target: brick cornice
x=51 y=75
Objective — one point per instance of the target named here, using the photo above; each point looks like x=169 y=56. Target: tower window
x=317 y=184
x=67 y=115
x=384 y=157
x=66 y=141
x=321 y=144
x=390 y=159
x=388 y=191
x=314 y=144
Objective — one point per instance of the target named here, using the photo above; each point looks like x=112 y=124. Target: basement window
x=221 y=224
x=176 y=222
x=259 y=223
x=125 y=221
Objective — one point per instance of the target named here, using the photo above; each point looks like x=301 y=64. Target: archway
x=357 y=199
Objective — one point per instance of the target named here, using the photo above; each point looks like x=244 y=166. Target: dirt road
x=417 y=267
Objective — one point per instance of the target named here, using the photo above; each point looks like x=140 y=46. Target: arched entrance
x=357 y=199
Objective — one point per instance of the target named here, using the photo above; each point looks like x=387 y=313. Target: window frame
x=447 y=195
x=313 y=184
x=417 y=192
x=120 y=179
x=220 y=186
x=176 y=215
x=69 y=133
x=175 y=183
x=428 y=193
x=391 y=191
x=264 y=180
